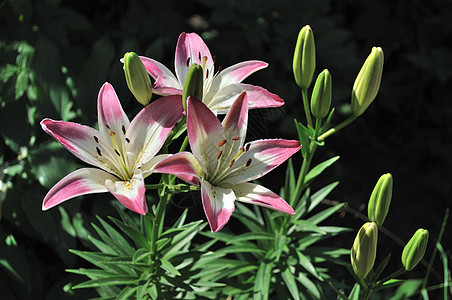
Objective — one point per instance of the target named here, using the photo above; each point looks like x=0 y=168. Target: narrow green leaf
x=380 y=268
x=309 y=285
x=126 y=293
x=168 y=267
x=354 y=294
x=117 y=237
x=137 y=237
x=291 y=284
x=140 y=255
x=319 y=217
x=321 y=194
x=180 y=222
x=305 y=262
x=317 y=170
x=262 y=281
x=115 y=280
x=303 y=137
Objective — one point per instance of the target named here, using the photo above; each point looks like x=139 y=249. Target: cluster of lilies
x=123 y=152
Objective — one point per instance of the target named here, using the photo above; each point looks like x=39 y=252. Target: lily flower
x=223 y=164
x=220 y=89
x=123 y=152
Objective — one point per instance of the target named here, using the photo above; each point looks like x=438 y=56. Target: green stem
x=337 y=128
x=158 y=221
x=307 y=111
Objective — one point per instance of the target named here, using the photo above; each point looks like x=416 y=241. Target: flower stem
x=307 y=111
x=337 y=128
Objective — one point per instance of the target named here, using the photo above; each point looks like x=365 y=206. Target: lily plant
x=123 y=152
x=224 y=164
x=220 y=89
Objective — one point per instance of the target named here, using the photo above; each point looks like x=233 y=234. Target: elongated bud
x=137 y=78
x=321 y=95
x=364 y=249
x=367 y=83
x=193 y=84
x=415 y=249
x=304 y=57
x=380 y=199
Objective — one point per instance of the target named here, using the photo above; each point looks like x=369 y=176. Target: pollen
x=219 y=154
x=98 y=151
x=221 y=143
x=235 y=138
x=231 y=163
x=188 y=62
x=123 y=129
x=96 y=139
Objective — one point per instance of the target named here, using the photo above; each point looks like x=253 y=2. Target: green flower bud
x=137 y=78
x=415 y=249
x=367 y=82
x=304 y=57
x=380 y=199
x=364 y=249
x=321 y=95
x=193 y=84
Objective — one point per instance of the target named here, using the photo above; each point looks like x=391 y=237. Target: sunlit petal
x=191 y=49
x=261 y=157
x=80 y=182
x=218 y=204
x=183 y=165
x=259 y=195
x=130 y=192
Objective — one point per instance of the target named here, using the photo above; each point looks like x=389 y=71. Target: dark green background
x=55 y=55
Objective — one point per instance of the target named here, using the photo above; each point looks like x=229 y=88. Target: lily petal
x=183 y=165
x=261 y=157
x=111 y=116
x=191 y=49
x=80 y=140
x=148 y=167
x=80 y=182
x=151 y=126
x=205 y=133
x=218 y=204
x=130 y=193
x=237 y=73
x=258 y=97
x=235 y=124
x=166 y=83
x=259 y=195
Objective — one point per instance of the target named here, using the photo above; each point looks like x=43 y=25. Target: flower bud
x=364 y=249
x=304 y=57
x=193 y=84
x=367 y=82
x=415 y=249
x=137 y=78
x=321 y=95
x=380 y=199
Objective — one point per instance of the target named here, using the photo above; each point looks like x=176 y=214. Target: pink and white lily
x=219 y=89
x=123 y=151
x=224 y=165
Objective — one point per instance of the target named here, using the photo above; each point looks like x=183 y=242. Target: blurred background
x=55 y=55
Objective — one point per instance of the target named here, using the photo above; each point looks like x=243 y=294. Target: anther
x=199 y=56
x=127 y=140
x=219 y=154
x=98 y=151
x=108 y=127
x=188 y=61
x=219 y=69
x=231 y=163
x=248 y=162
x=117 y=152
x=247 y=147
x=235 y=138
x=112 y=133
x=96 y=139
x=207 y=73
x=221 y=143
x=123 y=129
